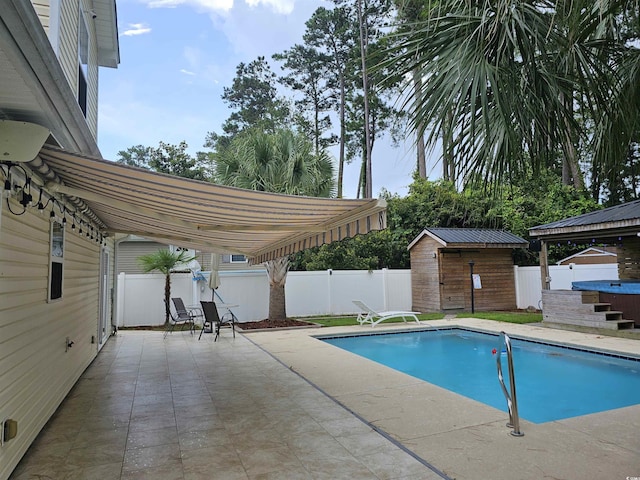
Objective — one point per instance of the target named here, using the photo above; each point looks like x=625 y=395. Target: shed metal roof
x=618 y=220
x=472 y=237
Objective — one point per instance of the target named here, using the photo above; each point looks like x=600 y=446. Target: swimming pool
x=553 y=382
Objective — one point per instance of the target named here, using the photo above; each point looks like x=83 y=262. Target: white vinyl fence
x=139 y=298
x=529 y=282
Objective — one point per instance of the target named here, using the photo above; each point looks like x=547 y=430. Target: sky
x=176 y=56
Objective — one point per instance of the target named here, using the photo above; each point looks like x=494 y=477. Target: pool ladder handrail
x=512 y=402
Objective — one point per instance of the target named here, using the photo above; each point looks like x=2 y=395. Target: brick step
x=601 y=307
x=612 y=315
x=582 y=309
x=607 y=324
x=578 y=314
x=571 y=296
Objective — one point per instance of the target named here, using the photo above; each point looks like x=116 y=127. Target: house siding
x=68 y=56
x=68 y=42
x=35 y=371
x=129 y=252
x=43 y=10
x=92 y=77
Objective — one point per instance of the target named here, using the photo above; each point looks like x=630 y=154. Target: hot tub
x=626 y=287
x=623 y=295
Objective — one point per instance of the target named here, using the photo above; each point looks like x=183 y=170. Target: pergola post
x=544 y=266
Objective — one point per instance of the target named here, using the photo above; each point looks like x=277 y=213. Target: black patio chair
x=182 y=317
x=196 y=313
x=214 y=320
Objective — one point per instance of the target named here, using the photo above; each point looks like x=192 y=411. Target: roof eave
x=466 y=246
x=579 y=232
x=24 y=41
x=106 y=23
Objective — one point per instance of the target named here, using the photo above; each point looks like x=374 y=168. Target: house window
x=83 y=62
x=238 y=259
x=56 y=261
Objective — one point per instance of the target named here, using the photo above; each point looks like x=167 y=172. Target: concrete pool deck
x=463 y=438
x=248 y=409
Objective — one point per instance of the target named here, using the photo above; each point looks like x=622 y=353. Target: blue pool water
x=553 y=382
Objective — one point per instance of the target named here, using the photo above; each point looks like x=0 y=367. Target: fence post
x=329 y=296
x=385 y=289
x=516 y=282
x=120 y=300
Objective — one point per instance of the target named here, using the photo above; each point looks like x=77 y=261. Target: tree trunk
x=277 y=272
x=420 y=147
x=368 y=193
x=448 y=166
x=342 y=136
x=167 y=298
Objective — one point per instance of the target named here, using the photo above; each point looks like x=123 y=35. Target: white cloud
x=279 y=6
x=207 y=5
x=258 y=29
x=284 y=7
x=186 y=72
x=136 y=29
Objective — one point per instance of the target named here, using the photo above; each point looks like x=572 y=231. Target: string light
x=20 y=183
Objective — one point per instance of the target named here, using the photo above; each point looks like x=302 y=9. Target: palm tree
x=521 y=78
x=283 y=162
x=165 y=262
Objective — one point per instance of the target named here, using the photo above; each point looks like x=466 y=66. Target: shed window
x=238 y=259
x=56 y=264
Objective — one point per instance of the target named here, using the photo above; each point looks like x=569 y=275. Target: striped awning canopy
x=201 y=215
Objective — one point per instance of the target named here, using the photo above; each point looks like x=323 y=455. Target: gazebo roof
x=615 y=221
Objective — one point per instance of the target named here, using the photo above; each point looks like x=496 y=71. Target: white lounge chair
x=369 y=315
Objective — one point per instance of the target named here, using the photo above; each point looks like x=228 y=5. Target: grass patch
x=509 y=317
x=351 y=320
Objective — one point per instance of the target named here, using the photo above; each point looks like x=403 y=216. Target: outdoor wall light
x=8 y=430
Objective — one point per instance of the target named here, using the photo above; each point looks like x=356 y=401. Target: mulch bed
x=282 y=323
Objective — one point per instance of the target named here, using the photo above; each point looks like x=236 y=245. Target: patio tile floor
x=186 y=409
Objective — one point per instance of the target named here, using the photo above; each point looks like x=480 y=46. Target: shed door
x=451 y=282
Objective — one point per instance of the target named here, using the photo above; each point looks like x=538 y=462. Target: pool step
x=581 y=308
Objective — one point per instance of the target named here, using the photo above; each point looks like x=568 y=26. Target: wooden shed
x=441 y=276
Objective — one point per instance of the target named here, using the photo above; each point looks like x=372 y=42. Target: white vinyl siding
x=70 y=12
x=35 y=371
x=42 y=8
x=92 y=75
x=129 y=252
x=227 y=263
x=68 y=41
